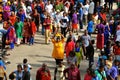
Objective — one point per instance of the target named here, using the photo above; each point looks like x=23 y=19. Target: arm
x=65 y=72
x=55 y=72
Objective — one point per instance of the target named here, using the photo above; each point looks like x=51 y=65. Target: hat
x=58 y=10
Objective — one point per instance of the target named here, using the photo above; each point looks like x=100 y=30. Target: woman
x=58 y=50
x=18 y=29
x=100 y=35
x=6 y=12
x=79 y=53
x=75 y=22
x=88 y=75
x=12 y=18
x=69 y=46
x=106 y=33
x=21 y=14
x=36 y=16
x=26 y=31
x=10 y=36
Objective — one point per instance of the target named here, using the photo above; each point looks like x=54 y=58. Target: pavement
x=37 y=54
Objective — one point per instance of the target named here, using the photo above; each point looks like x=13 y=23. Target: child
x=25 y=62
x=58 y=74
x=79 y=53
x=72 y=58
x=33 y=30
x=91 y=53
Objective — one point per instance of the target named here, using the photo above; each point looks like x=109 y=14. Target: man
x=47 y=23
x=86 y=41
x=91 y=9
x=26 y=73
x=64 y=24
x=73 y=73
x=43 y=73
x=49 y=7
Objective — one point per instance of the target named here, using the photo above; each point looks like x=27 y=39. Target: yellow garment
x=2 y=72
x=58 y=50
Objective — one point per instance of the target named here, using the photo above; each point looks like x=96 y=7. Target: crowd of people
x=58 y=21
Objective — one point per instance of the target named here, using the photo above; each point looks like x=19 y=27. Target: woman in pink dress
x=70 y=45
x=6 y=12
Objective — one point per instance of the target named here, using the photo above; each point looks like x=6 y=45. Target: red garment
x=33 y=28
x=47 y=23
x=88 y=77
x=116 y=50
x=69 y=47
x=43 y=75
x=100 y=41
x=73 y=74
x=12 y=19
x=26 y=29
x=103 y=16
x=42 y=5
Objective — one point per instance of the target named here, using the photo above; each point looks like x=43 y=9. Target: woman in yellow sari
x=58 y=50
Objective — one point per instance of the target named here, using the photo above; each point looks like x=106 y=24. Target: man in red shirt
x=47 y=23
x=43 y=73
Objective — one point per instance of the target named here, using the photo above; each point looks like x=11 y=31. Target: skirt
x=74 y=25
x=100 y=41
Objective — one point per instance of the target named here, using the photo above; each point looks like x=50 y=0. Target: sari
x=6 y=12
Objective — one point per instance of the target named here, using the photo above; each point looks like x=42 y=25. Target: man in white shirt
x=64 y=24
x=85 y=11
x=49 y=7
x=91 y=8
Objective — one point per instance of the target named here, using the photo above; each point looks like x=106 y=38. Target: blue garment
x=21 y=16
x=2 y=64
x=80 y=1
x=39 y=9
x=90 y=26
x=95 y=78
x=18 y=75
x=111 y=29
x=113 y=72
x=80 y=13
x=31 y=41
x=106 y=34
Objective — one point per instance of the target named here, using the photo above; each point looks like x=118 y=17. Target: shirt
x=86 y=39
x=90 y=26
x=113 y=72
x=91 y=8
x=99 y=75
x=85 y=9
x=64 y=21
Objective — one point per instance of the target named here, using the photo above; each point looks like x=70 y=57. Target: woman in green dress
x=18 y=29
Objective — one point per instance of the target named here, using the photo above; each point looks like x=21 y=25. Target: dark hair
x=12 y=76
x=19 y=66
x=92 y=41
x=69 y=39
x=25 y=60
x=72 y=53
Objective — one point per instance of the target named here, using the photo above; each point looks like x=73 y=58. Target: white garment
x=91 y=8
x=64 y=24
x=102 y=2
x=66 y=9
x=49 y=8
x=85 y=9
x=118 y=35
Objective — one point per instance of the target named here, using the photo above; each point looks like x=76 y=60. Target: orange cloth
x=12 y=19
x=74 y=26
x=103 y=16
x=58 y=50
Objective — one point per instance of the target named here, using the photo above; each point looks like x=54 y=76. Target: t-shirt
x=86 y=39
